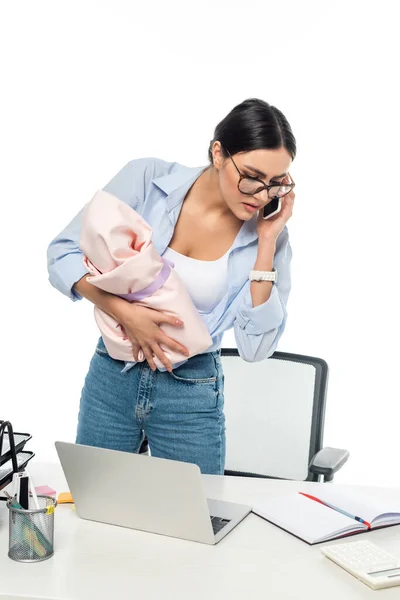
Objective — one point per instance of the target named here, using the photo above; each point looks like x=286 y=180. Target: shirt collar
x=248 y=233
x=174 y=181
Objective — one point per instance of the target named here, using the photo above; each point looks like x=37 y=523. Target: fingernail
x=179 y=322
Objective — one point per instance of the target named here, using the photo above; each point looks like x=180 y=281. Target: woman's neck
x=205 y=195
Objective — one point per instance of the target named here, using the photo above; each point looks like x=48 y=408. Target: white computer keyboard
x=367 y=562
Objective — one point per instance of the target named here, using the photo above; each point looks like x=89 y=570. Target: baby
x=122 y=260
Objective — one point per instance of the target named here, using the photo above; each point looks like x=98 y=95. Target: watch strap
x=264 y=275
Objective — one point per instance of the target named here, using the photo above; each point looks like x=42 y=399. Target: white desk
x=94 y=561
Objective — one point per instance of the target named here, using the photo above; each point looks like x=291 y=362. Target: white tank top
x=205 y=280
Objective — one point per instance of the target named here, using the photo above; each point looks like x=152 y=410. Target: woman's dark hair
x=254 y=125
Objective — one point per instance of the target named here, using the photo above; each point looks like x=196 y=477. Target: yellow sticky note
x=50 y=510
x=64 y=498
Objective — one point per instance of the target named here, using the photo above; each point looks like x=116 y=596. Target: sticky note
x=64 y=498
x=46 y=490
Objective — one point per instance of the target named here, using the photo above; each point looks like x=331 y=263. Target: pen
x=359 y=519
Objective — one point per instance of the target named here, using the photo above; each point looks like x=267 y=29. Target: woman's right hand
x=141 y=325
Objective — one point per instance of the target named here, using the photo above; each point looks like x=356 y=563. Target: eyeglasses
x=252 y=185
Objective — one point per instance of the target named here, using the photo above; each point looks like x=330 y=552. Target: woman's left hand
x=270 y=229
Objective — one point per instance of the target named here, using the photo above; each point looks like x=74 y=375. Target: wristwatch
x=264 y=275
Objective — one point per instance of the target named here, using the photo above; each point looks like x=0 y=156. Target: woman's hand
x=141 y=326
x=270 y=229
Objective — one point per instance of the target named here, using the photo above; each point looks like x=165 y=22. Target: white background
x=87 y=86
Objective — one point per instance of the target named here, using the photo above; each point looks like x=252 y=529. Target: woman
x=208 y=221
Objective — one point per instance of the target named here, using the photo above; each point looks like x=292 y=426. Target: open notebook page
x=305 y=518
x=368 y=505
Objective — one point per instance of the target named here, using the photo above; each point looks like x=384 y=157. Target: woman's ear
x=218 y=157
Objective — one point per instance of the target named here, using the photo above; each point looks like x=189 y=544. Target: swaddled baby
x=122 y=260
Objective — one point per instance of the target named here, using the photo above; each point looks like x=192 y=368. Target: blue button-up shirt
x=156 y=190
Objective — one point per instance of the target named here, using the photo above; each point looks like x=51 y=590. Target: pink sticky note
x=45 y=489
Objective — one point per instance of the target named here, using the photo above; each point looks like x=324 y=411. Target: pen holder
x=31 y=532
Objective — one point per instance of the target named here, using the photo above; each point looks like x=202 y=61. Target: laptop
x=146 y=493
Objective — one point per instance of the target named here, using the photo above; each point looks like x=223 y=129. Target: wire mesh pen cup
x=31 y=531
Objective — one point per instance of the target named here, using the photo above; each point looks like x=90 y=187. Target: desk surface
x=256 y=560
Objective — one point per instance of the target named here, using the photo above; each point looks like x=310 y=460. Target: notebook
x=315 y=522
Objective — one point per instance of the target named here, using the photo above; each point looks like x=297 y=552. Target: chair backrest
x=274 y=412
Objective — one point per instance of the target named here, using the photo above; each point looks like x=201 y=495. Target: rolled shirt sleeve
x=258 y=329
x=65 y=259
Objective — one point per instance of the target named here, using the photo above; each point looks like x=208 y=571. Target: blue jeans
x=181 y=413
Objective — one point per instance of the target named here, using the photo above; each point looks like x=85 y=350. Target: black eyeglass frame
x=263 y=185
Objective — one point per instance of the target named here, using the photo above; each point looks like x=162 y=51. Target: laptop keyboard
x=218 y=523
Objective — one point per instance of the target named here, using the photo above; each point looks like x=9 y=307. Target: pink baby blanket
x=122 y=260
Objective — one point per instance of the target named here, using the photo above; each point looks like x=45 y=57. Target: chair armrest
x=327 y=461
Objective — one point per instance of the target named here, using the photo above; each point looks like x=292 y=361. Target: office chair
x=275 y=412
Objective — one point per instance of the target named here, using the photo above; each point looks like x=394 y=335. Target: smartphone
x=272 y=208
